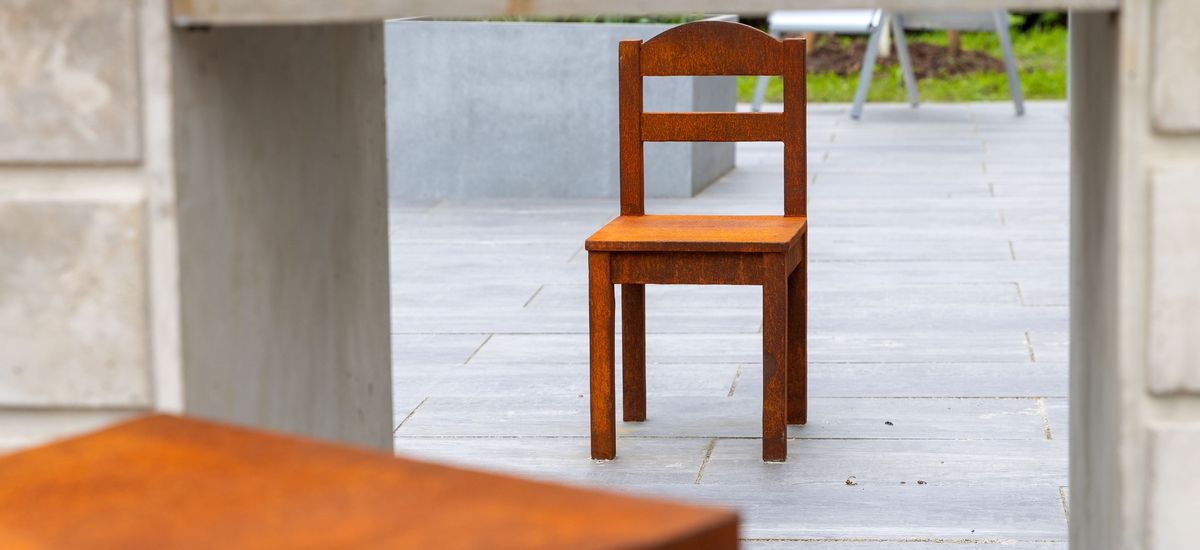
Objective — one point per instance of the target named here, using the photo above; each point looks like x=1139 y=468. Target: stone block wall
x=191 y=220
x=77 y=189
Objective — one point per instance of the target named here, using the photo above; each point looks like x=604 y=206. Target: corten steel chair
x=636 y=249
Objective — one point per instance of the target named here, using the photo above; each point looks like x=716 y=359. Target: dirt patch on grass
x=929 y=60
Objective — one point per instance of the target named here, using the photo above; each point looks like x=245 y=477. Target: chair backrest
x=712 y=48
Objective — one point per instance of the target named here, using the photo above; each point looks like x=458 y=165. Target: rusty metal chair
x=637 y=249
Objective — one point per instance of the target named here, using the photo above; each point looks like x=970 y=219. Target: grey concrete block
x=1172 y=503
x=502 y=109
x=1174 y=308
x=70 y=74
x=73 y=327
x=1174 y=47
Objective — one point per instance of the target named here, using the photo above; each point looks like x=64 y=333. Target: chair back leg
x=1010 y=60
x=910 y=78
x=864 y=77
x=633 y=352
x=797 y=339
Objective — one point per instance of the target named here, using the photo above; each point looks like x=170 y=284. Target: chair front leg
x=601 y=306
x=775 y=366
x=633 y=352
x=797 y=339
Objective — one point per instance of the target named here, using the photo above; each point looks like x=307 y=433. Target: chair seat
x=698 y=234
x=838 y=21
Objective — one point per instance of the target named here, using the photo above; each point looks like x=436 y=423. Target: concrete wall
x=282 y=201
x=1135 y=300
x=530 y=110
x=239 y=272
x=79 y=194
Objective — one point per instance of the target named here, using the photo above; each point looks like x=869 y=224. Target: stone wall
x=1135 y=263
x=190 y=221
x=482 y=109
x=77 y=186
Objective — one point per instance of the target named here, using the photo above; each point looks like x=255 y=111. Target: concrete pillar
x=191 y=221
x=1135 y=267
x=281 y=182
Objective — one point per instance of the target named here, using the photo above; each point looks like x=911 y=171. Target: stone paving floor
x=938 y=340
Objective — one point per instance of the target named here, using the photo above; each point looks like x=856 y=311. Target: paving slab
x=733 y=417
x=938 y=339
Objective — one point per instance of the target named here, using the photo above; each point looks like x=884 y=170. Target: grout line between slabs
x=736 y=376
x=704 y=463
x=535 y=293
x=479 y=347
x=1041 y=403
x=1066 y=506
x=409 y=415
x=1029 y=346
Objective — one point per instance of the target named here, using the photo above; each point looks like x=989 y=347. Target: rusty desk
x=164 y=481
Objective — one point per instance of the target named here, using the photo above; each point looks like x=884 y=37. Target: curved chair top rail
x=712 y=48
x=729 y=48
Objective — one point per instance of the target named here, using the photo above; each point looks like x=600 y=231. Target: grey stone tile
x=924 y=380
x=850 y=293
x=535 y=378
x=919 y=316
x=1045 y=291
x=564 y=320
x=891 y=463
x=705 y=297
x=567 y=459
x=1041 y=249
x=409 y=297
x=409 y=349
x=975 y=345
x=940 y=272
x=530 y=416
x=1045 y=166
x=1057 y=413
x=920 y=512
x=669 y=348
x=1050 y=345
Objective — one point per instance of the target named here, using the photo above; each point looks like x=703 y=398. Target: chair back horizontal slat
x=712 y=126
x=711 y=48
x=730 y=49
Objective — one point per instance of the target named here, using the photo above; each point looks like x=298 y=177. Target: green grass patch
x=1041 y=60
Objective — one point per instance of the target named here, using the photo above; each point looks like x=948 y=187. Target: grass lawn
x=1041 y=58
